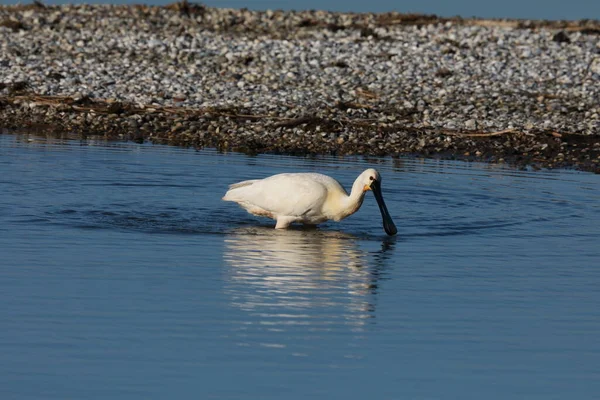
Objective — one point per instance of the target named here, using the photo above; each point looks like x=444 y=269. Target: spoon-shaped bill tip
x=388 y=224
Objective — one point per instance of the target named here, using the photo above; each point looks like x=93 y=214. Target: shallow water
x=529 y=9
x=125 y=276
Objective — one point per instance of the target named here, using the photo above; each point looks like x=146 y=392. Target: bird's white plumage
x=292 y=195
x=309 y=198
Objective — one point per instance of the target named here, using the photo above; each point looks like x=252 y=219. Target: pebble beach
x=521 y=92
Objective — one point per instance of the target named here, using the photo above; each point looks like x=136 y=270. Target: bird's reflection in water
x=305 y=281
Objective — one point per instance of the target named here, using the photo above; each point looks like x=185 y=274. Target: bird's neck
x=353 y=202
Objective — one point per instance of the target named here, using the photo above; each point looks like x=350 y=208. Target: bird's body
x=308 y=198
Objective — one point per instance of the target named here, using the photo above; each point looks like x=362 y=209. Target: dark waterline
x=125 y=276
x=528 y=9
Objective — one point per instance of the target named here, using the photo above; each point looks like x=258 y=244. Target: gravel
x=526 y=92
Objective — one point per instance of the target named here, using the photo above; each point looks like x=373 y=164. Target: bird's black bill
x=388 y=224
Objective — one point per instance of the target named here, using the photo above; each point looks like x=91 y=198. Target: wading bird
x=307 y=198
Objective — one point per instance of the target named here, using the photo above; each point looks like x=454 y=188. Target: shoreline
x=199 y=128
x=311 y=82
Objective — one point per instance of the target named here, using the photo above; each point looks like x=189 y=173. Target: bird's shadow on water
x=287 y=262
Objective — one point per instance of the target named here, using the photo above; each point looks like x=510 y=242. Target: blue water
x=124 y=276
x=527 y=9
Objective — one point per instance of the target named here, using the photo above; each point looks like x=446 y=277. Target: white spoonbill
x=308 y=198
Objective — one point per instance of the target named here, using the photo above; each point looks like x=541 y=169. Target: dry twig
x=480 y=134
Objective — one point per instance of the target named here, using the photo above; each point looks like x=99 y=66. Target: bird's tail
x=229 y=195
x=242 y=184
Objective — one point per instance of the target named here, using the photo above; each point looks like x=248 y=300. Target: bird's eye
x=371 y=178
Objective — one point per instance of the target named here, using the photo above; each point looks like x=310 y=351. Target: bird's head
x=370 y=178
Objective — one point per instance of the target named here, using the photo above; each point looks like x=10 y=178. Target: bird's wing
x=285 y=194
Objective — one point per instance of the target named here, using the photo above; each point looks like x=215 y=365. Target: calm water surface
x=124 y=276
x=532 y=9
